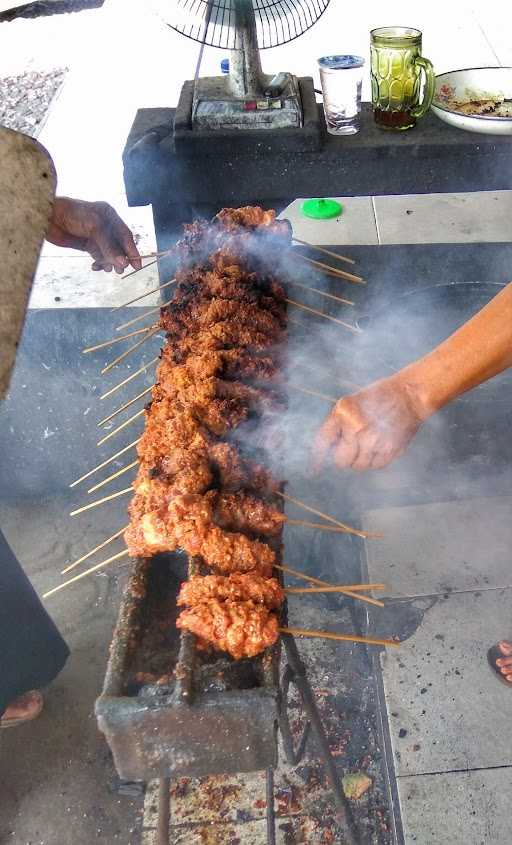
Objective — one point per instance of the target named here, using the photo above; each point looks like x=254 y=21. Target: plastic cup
x=342 y=79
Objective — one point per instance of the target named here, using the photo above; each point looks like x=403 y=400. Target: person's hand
x=370 y=428
x=96 y=228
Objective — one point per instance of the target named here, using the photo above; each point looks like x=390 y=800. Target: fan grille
x=212 y=22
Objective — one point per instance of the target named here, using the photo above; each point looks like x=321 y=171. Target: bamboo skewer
x=83 y=574
x=93 y=551
x=143 y=316
x=353 y=329
x=313 y=393
x=297 y=574
x=346 y=591
x=111 y=477
x=332 y=588
x=104 y=463
x=144 y=267
x=125 y=406
x=324 y=250
x=88 y=257
x=102 y=501
x=120 y=427
x=319 y=525
x=325 y=584
x=116 y=340
x=346 y=528
x=129 y=351
x=333 y=271
x=129 y=378
x=136 y=299
x=328 y=635
x=354 y=588
x=315 y=290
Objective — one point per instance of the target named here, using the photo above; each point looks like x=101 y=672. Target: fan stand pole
x=245 y=73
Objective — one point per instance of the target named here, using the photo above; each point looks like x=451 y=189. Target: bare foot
x=504 y=663
x=23 y=709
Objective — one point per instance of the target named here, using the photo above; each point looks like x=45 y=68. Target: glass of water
x=342 y=78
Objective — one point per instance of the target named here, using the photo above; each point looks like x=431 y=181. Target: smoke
x=458 y=450
x=404 y=312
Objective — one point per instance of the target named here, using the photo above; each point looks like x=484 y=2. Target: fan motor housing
x=209 y=116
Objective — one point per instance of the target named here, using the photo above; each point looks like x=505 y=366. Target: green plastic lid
x=321 y=209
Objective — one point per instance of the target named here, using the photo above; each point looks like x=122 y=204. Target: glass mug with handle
x=396 y=66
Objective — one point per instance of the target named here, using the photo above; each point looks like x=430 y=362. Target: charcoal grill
x=169 y=710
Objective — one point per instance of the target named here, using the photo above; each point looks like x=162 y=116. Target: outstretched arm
x=96 y=228
x=372 y=427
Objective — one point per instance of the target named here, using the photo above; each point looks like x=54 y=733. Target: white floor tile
x=447 y=710
x=462 y=808
x=70 y=283
x=356 y=225
x=427 y=549
x=445 y=218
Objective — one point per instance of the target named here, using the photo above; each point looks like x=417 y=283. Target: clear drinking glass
x=342 y=78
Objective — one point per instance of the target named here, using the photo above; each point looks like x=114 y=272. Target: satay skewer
x=112 y=477
x=120 y=427
x=328 y=635
x=325 y=586
x=149 y=389
x=313 y=393
x=319 y=525
x=324 y=250
x=113 y=340
x=93 y=551
x=339 y=528
x=129 y=351
x=143 y=316
x=302 y=575
x=315 y=311
x=102 y=501
x=104 y=463
x=140 y=269
x=129 y=378
x=332 y=271
x=315 y=290
x=95 y=568
x=136 y=299
x=125 y=406
x=347 y=528
x=350 y=593
x=335 y=588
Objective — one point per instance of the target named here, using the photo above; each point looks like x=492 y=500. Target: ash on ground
x=26 y=99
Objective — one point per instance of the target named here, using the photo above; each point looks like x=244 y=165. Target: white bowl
x=479 y=83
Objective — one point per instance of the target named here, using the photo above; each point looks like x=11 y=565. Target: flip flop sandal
x=493 y=655
x=13 y=723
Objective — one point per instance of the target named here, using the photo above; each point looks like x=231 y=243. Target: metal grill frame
x=183 y=733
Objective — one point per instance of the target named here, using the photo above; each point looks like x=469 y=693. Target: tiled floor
x=445 y=707
x=480 y=796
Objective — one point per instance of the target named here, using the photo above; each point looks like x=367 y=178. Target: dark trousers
x=32 y=652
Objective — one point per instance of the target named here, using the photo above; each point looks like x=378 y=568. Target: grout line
x=455 y=771
x=376 y=221
x=487 y=39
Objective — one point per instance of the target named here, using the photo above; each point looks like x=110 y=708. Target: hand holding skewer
x=96 y=228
